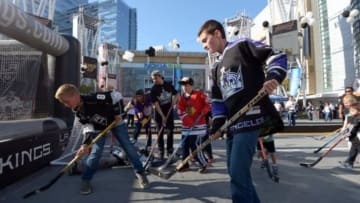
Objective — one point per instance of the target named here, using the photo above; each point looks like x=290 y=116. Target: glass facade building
x=119 y=21
x=325 y=45
x=355 y=4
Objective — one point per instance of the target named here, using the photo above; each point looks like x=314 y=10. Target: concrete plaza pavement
x=324 y=183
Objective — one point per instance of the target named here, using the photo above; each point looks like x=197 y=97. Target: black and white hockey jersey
x=238 y=74
x=99 y=109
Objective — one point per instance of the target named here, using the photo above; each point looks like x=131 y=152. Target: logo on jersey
x=100 y=96
x=165 y=97
x=98 y=119
x=231 y=82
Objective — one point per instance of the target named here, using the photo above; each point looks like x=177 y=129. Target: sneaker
x=275 y=170
x=202 y=170
x=142 y=180
x=85 y=187
x=346 y=165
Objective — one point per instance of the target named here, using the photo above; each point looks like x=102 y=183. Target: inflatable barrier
x=28 y=145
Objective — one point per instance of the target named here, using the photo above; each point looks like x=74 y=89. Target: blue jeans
x=240 y=149
x=121 y=134
x=291 y=118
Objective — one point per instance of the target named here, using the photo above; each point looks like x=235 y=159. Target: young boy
x=269 y=147
x=143 y=113
x=353 y=123
x=192 y=110
x=99 y=109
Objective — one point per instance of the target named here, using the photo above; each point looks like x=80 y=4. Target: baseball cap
x=139 y=92
x=186 y=80
x=156 y=72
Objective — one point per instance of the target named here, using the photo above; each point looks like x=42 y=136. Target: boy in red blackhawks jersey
x=192 y=109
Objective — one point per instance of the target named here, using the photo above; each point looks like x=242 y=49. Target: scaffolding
x=239 y=26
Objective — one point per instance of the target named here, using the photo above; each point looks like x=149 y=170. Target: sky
x=161 y=21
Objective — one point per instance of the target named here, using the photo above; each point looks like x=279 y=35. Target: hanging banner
x=294 y=80
x=178 y=74
x=90 y=67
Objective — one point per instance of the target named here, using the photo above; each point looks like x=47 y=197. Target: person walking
x=164 y=96
x=99 y=110
x=290 y=106
x=238 y=75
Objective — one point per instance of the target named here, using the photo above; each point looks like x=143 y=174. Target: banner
x=294 y=80
x=178 y=74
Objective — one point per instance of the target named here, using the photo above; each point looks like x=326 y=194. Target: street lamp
x=305 y=23
x=307 y=20
x=350 y=15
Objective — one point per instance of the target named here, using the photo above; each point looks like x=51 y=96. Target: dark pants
x=354 y=151
x=137 y=131
x=169 y=139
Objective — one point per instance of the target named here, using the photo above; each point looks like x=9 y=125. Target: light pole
x=305 y=23
x=351 y=15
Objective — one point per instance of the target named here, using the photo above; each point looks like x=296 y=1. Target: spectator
x=309 y=110
x=290 y=106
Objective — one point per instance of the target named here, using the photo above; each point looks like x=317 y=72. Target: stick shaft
x=71 y=163
x=152 y=150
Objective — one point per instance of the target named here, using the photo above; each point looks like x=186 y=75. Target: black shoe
x=86 y=187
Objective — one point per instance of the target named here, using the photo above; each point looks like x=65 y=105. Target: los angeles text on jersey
x=247 y=124
x=18 y=159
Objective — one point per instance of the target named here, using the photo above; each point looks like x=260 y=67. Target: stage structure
x=34 y=62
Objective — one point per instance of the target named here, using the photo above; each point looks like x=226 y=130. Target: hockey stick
x=169 y=160
x=329 y=134
x=345 y=133
x=328 y=142
x=272 y=176
x=166 y=174
x=71 y=163
x=323 y=155
x=152 y=150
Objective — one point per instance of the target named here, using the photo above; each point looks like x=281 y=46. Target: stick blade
x=307 y=165
x=317 y=150
x=29 y=194
x=164 y=173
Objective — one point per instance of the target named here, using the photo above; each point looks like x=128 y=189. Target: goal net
x=19 y=76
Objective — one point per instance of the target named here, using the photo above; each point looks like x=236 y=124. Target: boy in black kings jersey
x=99 y=110
x=238 y=75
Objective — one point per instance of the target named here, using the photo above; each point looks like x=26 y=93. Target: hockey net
x=19 y=76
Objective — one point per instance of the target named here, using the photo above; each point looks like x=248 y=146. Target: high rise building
x=333 y=45
x=118 y=21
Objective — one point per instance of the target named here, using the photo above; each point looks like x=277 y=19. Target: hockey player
x=238 y=75
x=99 y=109
x=192 y=109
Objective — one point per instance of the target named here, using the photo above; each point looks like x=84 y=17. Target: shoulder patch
x=100 y=96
